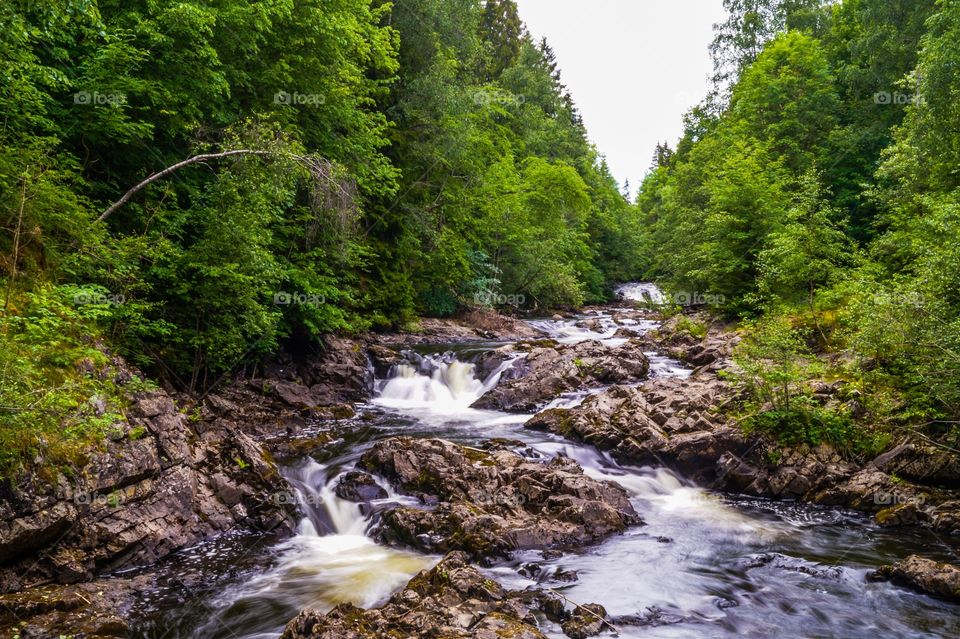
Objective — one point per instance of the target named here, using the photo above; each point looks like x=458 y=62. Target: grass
x=61 y=393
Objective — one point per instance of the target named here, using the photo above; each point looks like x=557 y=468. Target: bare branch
x=318 y=168
x=171 y=169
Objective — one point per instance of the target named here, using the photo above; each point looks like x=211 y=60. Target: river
x=703 y=565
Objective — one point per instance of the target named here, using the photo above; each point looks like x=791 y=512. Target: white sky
x=633 y=67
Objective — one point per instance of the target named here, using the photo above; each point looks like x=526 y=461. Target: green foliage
x=817 y=191
x=691 y=327
x=422 y=157
x=776 y=366
x=806 y=252
x=59 y=389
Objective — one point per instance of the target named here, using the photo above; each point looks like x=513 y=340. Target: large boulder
x=666 y=421
x=451 y=601
x=163 y=483
x=491 y=503
x=925 y=575
x=549 y=370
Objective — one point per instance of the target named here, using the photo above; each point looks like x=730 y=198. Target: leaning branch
x=316 y=166
x=159 y=175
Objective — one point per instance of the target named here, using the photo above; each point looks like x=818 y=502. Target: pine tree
x=502 y=32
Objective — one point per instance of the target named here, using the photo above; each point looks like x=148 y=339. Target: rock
x=491 y=503
x=343 y=371
x=139 y=499
x=588 y=620
x=451 y=601
x=568 y=576
x=152 y=405
x=359 y=487
x=921 y=462
x=925 y=575
x=95 y=609
x=383 y=358
x=591 y=325
x=654 y=424
x=550 y=370
x=24 y=535
x=300 y=396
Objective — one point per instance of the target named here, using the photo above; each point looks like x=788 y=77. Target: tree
x=806 y=252
x=502 y=33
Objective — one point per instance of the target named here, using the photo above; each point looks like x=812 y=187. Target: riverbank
x=498 y=499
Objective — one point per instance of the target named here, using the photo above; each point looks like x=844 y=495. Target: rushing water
x=703 y=565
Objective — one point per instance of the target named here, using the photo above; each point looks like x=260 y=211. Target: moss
x=137 y=432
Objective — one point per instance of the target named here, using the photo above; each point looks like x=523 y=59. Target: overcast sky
x=633 y=66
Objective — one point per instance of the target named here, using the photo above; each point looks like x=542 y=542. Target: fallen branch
x=612 y=627
x=172 y=169
x=311 y=163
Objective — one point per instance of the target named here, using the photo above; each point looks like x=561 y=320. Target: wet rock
x=869 y=490
x=567 y=576
x=779 y=561
x=925 y=575
x=491 y=503
x=168 y=483
x=591 y=325
x=665 y=421
x=491 y=360
x=95 y=609
x=341 y=373
x=451 y=601
x=946 y=517
x=921 y=462
x=549 y=371
x=383 y=358
x=588 y=620
x=359 y=487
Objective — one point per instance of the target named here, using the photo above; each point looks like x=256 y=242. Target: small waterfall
x=567 y=331
x=329 y=561
x=437 y=381
x=325 y=512
x=642 y=292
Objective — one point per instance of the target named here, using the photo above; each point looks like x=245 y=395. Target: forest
x=428 y=160
x=814 y=194
x=327 y=318
x=411 y=158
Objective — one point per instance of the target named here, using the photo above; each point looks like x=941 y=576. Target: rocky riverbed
x=543 y=455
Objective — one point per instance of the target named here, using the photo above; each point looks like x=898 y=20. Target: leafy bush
x=60 y=391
